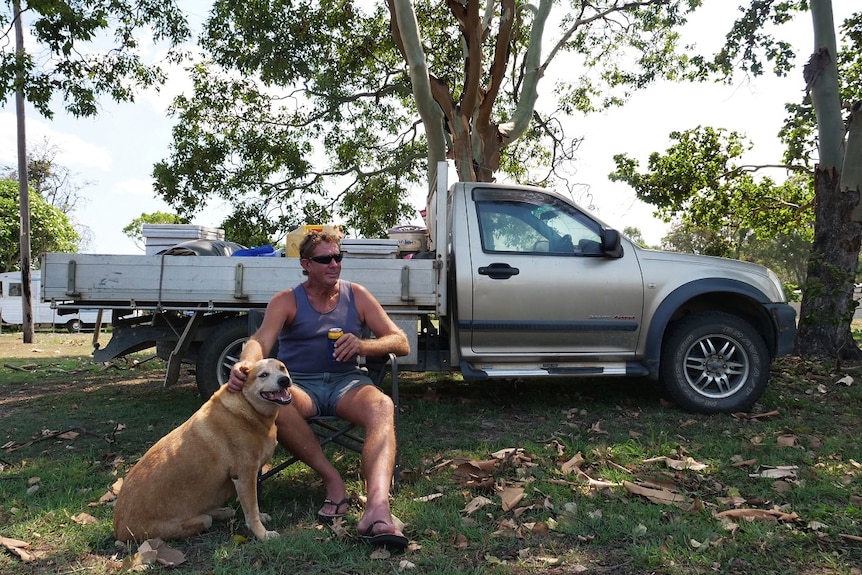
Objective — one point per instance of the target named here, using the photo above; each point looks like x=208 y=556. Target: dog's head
x=269 y=380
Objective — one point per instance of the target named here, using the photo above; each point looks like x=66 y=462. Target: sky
x=113 y=155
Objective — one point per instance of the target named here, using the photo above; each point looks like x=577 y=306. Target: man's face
x=321 y=265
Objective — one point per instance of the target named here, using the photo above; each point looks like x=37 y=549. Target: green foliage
x=635 y=235
x=245 y=226
x=699 y=180
x=50 y=229
x=309 y=105
x=686 y=237
x=79 y=50
x=750 y=44
x=135 y=228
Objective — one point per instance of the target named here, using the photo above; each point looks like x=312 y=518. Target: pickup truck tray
x=164 y=282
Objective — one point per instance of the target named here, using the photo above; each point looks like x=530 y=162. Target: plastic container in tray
x=410 y=238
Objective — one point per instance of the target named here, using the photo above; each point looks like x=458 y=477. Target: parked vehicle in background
x=515 y=282
x=12 y=309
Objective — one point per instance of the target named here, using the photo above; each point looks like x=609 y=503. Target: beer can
x=333 y=335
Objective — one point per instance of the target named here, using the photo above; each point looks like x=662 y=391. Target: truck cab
x=543 y=288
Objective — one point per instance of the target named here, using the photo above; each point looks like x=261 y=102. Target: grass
x=577 y=514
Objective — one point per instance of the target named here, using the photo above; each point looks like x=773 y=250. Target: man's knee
x=367 y=405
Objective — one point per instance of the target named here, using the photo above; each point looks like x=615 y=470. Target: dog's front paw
x=270 y=534
x=265 y=518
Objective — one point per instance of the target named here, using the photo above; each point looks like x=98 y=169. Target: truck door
x=542 y=287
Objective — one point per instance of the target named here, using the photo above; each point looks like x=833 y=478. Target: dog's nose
x=284 y=381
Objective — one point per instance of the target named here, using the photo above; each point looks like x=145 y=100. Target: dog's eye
x=263 y=374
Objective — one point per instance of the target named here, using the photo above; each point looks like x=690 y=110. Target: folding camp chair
x=332 y=429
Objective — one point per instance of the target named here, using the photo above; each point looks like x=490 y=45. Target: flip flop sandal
x=327 y=518
x=391 y=540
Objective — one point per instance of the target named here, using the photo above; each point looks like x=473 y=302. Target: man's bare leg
x=295 y=435
x=373 y=410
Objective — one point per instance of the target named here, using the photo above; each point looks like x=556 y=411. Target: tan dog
x=179 y=484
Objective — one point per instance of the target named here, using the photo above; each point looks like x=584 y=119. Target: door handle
x=499 y=271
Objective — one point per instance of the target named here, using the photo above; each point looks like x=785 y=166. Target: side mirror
x=611 y=245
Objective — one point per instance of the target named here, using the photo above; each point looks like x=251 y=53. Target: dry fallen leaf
x=758 y=514
x=426 y=498
x=18 y=548
x=156 y=551
x=470 y=476
x=83 y=519
x=573 y=464
x=459 y=541
x=476 y=504
x=511 y=496
x=660 y=496
x=780 y=472
x=687 y=463
x=786 y=440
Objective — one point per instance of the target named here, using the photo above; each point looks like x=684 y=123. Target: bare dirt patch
x=46 y=345
x=56 y=363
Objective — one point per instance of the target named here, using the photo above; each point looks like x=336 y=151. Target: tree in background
x=50 y=229
x=827 y=301
x=700 y=183
x=635 y=235
x=687 y=237
x=80 y=50
x=51 y=180
x=135 y=229
x=246 y=226
x=314 y=110
x=55 y=183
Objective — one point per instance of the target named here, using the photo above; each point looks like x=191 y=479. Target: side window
x=15 y=289
x=536 y=228
x=503 y=231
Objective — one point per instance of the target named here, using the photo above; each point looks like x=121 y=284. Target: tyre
x=74 y=326
x=714 y=362
x=218 y=353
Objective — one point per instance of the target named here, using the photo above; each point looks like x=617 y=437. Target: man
x=326 y=382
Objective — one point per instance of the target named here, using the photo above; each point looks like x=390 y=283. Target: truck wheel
x=74 y=326
x=714 y=363
x=218 y=353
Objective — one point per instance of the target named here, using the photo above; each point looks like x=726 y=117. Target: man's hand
x=238 y=376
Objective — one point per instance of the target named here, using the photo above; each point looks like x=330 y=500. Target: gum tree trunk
x=828 y=306
x=827 y=303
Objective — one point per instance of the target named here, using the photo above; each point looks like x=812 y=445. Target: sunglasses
x=326 y=259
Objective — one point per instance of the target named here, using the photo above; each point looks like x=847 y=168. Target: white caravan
x=11 y=308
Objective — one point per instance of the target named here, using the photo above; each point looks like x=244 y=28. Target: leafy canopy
x=309 y=110
x=84 y=49
x=50 y=229
x=135 y=229
x=700 y=180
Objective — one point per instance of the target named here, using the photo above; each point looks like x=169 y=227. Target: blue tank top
x=303 y=345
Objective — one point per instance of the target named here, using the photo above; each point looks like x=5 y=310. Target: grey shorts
x=326 y=389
